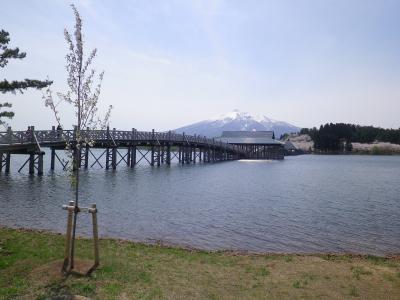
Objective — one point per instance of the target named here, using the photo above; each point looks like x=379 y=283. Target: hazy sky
x=170 y=63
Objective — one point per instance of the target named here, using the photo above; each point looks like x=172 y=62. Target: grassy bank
x=30 y=263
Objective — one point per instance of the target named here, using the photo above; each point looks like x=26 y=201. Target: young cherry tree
x=83 y=93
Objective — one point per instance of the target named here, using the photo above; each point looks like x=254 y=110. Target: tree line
x=339 y=136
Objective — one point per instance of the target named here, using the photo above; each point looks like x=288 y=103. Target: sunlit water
x=302 y=204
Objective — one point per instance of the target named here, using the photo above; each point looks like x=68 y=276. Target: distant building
x=257 y=144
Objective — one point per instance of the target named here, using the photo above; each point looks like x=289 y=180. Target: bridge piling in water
x=2 y=161
x=5 y=160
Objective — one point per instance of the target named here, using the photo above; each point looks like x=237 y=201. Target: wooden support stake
x=67 y=256
x=95 y=237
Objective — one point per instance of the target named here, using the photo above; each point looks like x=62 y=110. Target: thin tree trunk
x=77 y=158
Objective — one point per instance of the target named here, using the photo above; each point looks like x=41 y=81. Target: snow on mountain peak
x=236 y=114
x=237 y=120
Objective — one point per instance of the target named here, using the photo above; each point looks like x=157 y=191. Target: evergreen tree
x=13 y=86
x=339 y=136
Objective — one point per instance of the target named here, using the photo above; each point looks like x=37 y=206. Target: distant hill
x=237 y=120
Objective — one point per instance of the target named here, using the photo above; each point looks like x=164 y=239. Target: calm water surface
x=302 y=204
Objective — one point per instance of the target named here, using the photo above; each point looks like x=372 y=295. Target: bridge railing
x=10 y=137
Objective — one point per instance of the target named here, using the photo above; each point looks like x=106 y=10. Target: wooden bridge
x=119 y=147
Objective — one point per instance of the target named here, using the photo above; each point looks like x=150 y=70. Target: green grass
x=30 y=269
x=354 y=292
x=358 y=271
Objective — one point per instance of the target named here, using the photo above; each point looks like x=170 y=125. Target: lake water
x=306 y=203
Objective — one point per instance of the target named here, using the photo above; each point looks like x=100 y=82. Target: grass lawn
x=30 y=269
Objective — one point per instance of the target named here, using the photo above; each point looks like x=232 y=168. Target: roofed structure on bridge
x=256 y=144
x=249 y=138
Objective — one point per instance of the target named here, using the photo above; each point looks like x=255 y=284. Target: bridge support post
x=31 y=163
x=179 y=154
x=52 y=159
x=8 y=162
x=107 y=158
x=158 y=155
x=2 y=161
x=182 y=154
x=152 y=156
x=108 y=149
x=128 y=156
x=168 y=158
x=133 y=156
x=152 y=148
x=194 y=154
x=187 y=154
x=86 y=156
x=40 y=163
x=114 y=158
x=133 y=148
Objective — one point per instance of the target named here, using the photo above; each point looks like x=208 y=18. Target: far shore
x=304 y=143
x=30 y=262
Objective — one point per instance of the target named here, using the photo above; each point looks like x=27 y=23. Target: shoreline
x=30 y=264
x=169 y=245
x=353 y=153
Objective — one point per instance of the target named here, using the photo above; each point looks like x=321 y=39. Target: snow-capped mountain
x=237 y=120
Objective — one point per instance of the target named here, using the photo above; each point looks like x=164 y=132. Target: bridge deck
x=161 y=145
x=11 y=140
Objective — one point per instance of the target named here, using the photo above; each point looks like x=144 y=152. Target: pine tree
x=13 y=86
